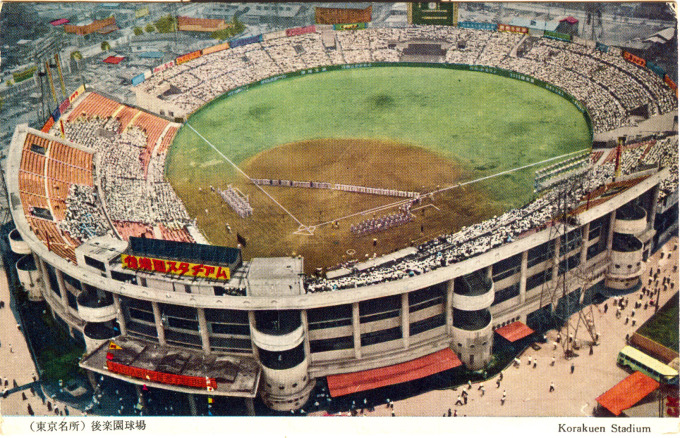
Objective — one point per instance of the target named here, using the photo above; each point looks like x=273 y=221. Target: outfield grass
x=478 y=123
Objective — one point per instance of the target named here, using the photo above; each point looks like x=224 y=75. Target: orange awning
x=516 y=330
x=343 y=384
x=627 y=392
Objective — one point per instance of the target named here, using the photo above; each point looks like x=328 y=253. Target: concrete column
x=523 y=277
x=489 y=271
x=91 y=378
x=305 y=328
x=356 y=330
x=556 y=259
x=43 y=274
x=159 y=322
x=203 y=329
x=584 y=243
x=119 y=314
x=405 y=329
x=449 y=307
x=192 y=405
x=62 y=289
x=610 y=236
x=250 y=406
x=651 y=213
x=141 y=399
x=251 y=320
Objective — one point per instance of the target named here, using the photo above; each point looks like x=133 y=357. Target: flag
x=113 y=346
x=241 y=240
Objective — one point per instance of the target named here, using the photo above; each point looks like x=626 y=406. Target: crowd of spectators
x=131 y=181
x=609 y=86
x=84 y=217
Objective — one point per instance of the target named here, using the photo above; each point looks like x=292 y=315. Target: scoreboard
x=440 y=13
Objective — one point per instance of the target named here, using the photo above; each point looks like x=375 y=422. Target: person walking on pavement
x=459 y=401
x=572 y=368
x=552 y=362
x=503 y=398
x=552 y=386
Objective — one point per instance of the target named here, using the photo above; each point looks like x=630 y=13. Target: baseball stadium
x=334 y=209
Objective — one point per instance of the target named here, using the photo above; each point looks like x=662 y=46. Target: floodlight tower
x=565 y=277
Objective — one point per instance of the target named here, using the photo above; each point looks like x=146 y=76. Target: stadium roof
x=535 y=24
x=627 y=392
x=350 y=383
x=217 y=255
x=662 y=36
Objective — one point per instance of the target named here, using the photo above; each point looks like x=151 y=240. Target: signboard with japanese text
x=208 y=383
x=515 y=29
x=174 y=267
x=162 y=67
x=632 y=58
x=188 y=57
x=76 y=93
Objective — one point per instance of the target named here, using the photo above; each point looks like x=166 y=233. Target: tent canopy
x=343 y=384
x=627 y=392
x=515 y=331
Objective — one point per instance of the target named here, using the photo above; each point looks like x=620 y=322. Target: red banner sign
x=188 y=57
x=163 y=266
x=667 y=79
x=634 y=59
x=48 y=125
x=208 y=383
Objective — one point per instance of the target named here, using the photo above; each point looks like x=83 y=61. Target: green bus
x=635 y=360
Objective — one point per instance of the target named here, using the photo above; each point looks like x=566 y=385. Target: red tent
x=343 y=384
x=515 y=331
x=627 y=392
x=570 y=20
x=114 y=59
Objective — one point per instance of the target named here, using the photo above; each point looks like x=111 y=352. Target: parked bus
x=636 y=360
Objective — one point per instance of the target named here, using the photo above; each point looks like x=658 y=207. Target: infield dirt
x=373 y=163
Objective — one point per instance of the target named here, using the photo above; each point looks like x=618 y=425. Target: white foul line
x=244 y=174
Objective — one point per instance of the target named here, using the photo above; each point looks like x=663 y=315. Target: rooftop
x=275 y=276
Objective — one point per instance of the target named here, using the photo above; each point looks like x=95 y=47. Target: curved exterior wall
x=473 y=347
x=626 y=263
x=29 y=277
x=17 y=244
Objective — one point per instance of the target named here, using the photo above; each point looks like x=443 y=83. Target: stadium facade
x=199 y=319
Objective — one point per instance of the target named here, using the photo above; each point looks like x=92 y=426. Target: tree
x=105 y=46
x=77 y=57
x=149 y=28
x=236 y=28
x=166 y=24
x=137 y=30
